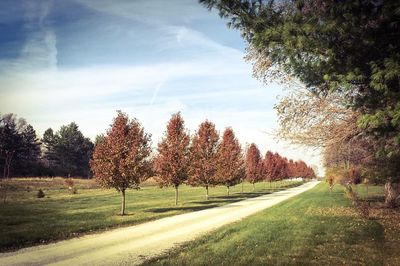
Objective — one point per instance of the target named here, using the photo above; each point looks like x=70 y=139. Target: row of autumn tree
x=63 y=153
x=122 y=158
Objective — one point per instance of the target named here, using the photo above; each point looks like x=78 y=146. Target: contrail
x=155 y=93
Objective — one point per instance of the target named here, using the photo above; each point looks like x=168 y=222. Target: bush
x=69 y=182
x=40 y=194
x=71 y=185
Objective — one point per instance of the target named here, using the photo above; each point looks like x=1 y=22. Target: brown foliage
x=121 y=160
x=309 y=119
x=171 y=163
x=230 y=163
x=253 y=164
x=203 y=150
x=276 y=167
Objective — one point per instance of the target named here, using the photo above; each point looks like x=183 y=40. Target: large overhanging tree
x=347 y=48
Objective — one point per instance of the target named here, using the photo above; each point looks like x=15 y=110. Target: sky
x=82 y=60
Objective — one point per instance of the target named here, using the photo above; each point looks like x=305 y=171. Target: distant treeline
x=67 y=152
x=22 y=153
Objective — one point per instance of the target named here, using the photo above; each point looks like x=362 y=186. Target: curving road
x=132 y=245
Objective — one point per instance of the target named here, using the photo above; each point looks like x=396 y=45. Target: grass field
x=27 y=220
x=316 y=227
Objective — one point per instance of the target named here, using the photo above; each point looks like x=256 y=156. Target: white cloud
x=212 y=82
x=151 y=12
x=40 y=47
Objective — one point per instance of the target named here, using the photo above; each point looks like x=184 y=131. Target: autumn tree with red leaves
x=253 y=164
x=203 y=150
x=120 y=160
x=300 y=169
x=268 y=167
x=274 y=167
x=291 y=168
x=171 y=163
x=229 y=161
x=281 y=170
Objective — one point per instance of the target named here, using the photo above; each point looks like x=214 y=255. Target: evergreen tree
x=19 y=147
x=67 y=152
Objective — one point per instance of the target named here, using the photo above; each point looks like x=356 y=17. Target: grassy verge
x=27 y=220
x=316 y=227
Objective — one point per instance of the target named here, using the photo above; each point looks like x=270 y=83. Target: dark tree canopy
x=19 y=147
x=67 y=152
x=347 y=47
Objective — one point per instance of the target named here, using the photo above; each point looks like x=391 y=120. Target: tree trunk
x=123 y=202
x=227 y=190
x=176 y=195
x=242 y=185
x=254 y=186
x=5 y=168
x=392 y=194
x=3 y=188
x=206 y=192
x=7 y=163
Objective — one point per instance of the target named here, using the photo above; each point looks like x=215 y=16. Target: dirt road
x=131 y=245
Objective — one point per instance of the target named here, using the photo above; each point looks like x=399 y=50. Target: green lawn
x=316 y=227
x=26 y=220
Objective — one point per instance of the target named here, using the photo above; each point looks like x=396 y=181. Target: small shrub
x=71 y=185
x=40 y=194
x=331 y=181
x=69 y=182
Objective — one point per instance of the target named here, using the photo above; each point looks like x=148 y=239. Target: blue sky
x=81 y=60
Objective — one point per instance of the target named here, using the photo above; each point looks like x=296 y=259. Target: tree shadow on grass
x=375 y=199
x=232 y=198
x=217 y=200
x=189 y=208
x=246 y=195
